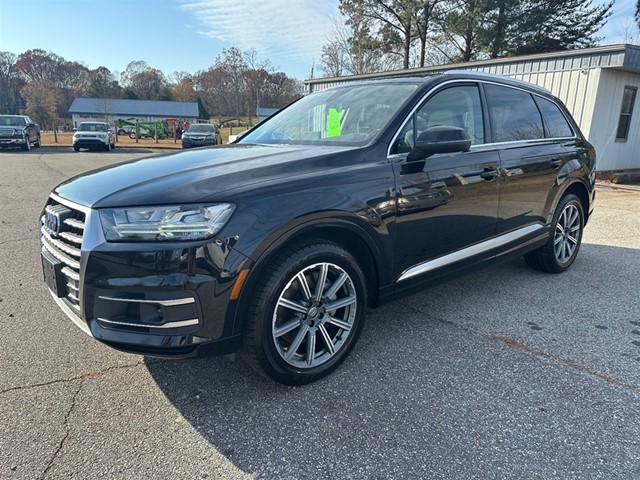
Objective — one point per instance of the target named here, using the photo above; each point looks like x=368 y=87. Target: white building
x=108 y=110
x=598 y=85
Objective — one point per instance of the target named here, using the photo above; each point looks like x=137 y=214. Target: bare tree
x=42 y=104
x=10 y=84
x=630 y=31
x=106 y=108
x=351 y=49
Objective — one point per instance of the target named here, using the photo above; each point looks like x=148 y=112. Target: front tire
x=565 y=238
x=27 y=145
x=305 y=313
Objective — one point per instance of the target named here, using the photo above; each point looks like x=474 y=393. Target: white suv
x=94 y=135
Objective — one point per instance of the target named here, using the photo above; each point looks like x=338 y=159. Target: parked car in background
x=277 y=245
x=125 y=130
x=237 y=136
x=19 y=131
x=201 y=134
x=94 y=136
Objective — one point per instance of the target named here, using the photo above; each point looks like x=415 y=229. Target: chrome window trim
x=476 y=80
x=468 y=252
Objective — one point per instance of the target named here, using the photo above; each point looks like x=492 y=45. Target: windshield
x=93 y=127
x=12 y=121
x=203 y=128
x=351 y=115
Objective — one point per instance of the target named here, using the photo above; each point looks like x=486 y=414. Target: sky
x=188 y=35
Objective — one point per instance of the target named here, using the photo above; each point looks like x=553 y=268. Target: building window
x=628 y=99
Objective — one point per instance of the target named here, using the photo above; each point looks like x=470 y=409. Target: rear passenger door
x=529 y=158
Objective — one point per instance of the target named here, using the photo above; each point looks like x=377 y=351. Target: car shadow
x=432 y=389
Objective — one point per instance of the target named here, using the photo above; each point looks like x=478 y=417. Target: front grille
x=61 y=232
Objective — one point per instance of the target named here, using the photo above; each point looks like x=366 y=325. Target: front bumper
x=192 y=143
x=90 y=143
x=148 y=298
x=10 y=142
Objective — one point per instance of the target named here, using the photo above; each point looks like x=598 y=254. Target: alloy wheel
x=314 y=315
x=567 y=234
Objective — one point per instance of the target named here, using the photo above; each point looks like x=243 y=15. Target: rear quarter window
x=555 y=123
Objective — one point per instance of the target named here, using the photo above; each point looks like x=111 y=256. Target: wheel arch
x=576 y=187
x=350 y=236
x=580 y=190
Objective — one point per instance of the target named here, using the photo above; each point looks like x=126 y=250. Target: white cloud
x=283 y=31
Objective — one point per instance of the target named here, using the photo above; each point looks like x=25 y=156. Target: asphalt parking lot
x=505 y=373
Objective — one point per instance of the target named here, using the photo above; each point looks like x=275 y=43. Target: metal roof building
x=264 y=112
x=599 y=86
x=86 y=109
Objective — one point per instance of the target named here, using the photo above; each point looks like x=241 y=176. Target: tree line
x=376 y=35
x=389 y=34
x=44 y=84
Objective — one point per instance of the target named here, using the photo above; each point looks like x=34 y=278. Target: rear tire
x=38 y=143
x=299 y=330
x=565 y=238
x=75 y=148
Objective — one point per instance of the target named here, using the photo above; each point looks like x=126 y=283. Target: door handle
x=489 y=174
x=556 y=163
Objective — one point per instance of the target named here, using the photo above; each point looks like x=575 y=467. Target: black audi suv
x=275 y=246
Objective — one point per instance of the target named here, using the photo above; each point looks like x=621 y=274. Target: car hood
x=194 y=176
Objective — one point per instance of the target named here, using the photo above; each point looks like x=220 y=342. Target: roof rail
x=494 y=75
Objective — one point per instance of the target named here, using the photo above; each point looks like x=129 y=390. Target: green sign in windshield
x=333 y=123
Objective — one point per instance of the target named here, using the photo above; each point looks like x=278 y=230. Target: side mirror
x=440 y=139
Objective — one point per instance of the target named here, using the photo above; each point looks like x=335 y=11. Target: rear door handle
x=556 y=163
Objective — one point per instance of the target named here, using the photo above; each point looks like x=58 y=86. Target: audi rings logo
x=52 y=222
x=54 y=218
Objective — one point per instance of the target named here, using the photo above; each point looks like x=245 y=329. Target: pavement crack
x=16 y=240
x=84 y=376
x=41 y=159
x=66 y=433
x=513 y=343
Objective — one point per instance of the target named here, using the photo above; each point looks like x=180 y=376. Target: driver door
x=447 y=205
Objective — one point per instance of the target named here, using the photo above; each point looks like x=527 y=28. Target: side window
x=458 y=106
x=624 y=122
x=514 y=114
x=555 y=123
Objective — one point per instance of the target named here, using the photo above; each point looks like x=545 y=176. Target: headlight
x=167 y=223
